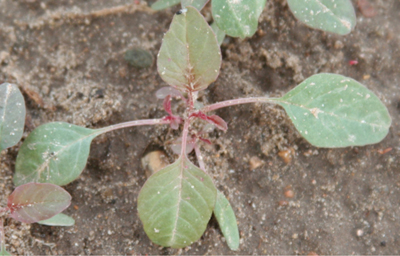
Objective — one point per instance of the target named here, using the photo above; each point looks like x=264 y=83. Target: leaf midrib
x=45 y=163
x=333 y=14
x=328 y=113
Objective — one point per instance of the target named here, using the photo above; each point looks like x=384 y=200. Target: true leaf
x=163 y=4
x=227 y=221
x=176 y=203
x=34 y=202
x=198 y=4
x=331 y=110
x=335 y=16
x=58 y=220
x=237 y=18
x=53 y=153
x=219 y=33
x=189 y=58
x=12 y=115
x=3 y=251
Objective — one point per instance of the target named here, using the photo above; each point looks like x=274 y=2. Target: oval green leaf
x=34 y=202
x=237 y=18
x=163 y=4
x=176 y=203
x=227 y=221
x=219 y=33
x=58 y=220
x=198 y=4
x=53 y=153
x=189 y=58
x=336 y=16
x=331 y=110
x=12 y=115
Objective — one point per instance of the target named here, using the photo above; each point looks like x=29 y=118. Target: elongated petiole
x=2 y=236
x=185 y=133
x=133 y=123
x=186 y=125
x=228 y=103
x=199 y=157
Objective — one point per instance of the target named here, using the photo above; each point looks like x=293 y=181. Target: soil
x=67 y=56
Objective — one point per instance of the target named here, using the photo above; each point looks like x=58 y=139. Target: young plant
x=32 y=202
x=176 y=203
x=239 y=18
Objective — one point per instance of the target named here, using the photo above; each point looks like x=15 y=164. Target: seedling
x=32 y=202
x=176 y=203
x=239 y=18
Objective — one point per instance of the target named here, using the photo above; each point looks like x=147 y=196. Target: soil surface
x=67 y=56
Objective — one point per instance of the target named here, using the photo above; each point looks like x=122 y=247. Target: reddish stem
x=134 y=123
x=199 y=157
x=186 y=125
x=2 y=236
x=233 y=102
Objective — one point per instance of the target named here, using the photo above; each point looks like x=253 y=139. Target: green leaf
x=59 y=220
x=176 y=203
x=163 y=4
x=3 y=251
x=227 y=221
x=220 y=34
x=12 y=115
x=189 y=58
x=237 y=18
x=198 y=4
x=53 y=153
x=331 y=110
x=34 y=202
x=328 y=15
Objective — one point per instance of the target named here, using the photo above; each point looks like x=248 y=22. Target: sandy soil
x=67 y=56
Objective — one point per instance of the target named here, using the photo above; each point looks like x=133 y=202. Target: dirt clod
x=154 y=161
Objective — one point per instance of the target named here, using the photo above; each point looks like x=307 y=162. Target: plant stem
x=2 y=236
x=133 y=123
x=186 y=125
x=185 y=133
x=233 y=102
x=199 y=157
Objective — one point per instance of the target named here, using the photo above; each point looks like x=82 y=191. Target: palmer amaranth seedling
x=176 y=203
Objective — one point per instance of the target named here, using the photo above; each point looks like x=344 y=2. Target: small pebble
x=286 y=156
x=366 y=77
x=255 y=162
x=283 y=203
x=139 y=58
x=359 y=232
x=338 y=45
x=288 y=192
x=366 y=8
